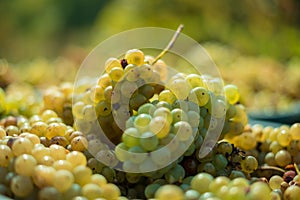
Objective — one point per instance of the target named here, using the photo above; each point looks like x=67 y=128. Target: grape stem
x=170 y=45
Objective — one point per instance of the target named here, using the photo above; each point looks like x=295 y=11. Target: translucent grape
x=147 y=108
x=275 y=182
x=194 y=80
x=98 y=179
x=137 y=154
x=136 y=101
x=180 y=88
x=146 y=72
x=57 y=152
x=194 y=118
x=164 y=112
x=103 y=108
x=21 y=146
x=24 y=164
x=82 y=175
x=49 y=193
x=183 y=130
x=161 y=157
x=201 y=182
x=62 y=165
x=47 y=114
x=159 y=126
x=292 y=193
x=110 y=191
x=232 y=93
x=104 y=81
x=167 y=96
x=5 y=155
x=76 y=158
x=149 y=141
x=21 y=186
x=116 y=73
x=199 y=95
x=130 y=137
x=295 y=131
x=121 y=152
x=283 y=158
x=128 y=88
x=178 y=115
x=112 y=63
x=43 y=176
x=168 y=192
x=284 y=138
x=249 y=164
x=135 y=56
x=259 y=190
x=132 y=74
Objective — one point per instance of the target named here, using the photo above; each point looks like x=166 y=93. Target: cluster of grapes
x=43 y=158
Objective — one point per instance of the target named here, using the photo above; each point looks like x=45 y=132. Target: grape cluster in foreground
x=154 y=125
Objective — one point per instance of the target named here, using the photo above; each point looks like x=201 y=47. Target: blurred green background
x=249 y=40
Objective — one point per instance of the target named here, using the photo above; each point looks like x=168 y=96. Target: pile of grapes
x=142 y=132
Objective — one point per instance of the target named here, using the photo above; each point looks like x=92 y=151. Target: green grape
x=179 y=115
x=73 y=191
x=82 y=175
x=147 y=165
x=116 y=73
x=232 y=93
x=218 y=108
x=220 y=161
x=49 y=193
x=21 y=186
x=167 y=96
x=246 y=141
x=135 y=56
x=98 y=179
x=112 y=63
x=183 y=130
x=270 y=159
x=284 y=138
x=239 y=182
x=167 y=192
x=132 y=74
x=128 y=88
x=103 y=108
x=137 y=100
x=182 y=104
x=194 y=80
x=217 y=183
x=224 y=148
x=235 y=193
x=121 y=151
x=249 y=164
x=149 y=141
x=275 y=147
x=12 y=130
x=283 y=158
x=24 y=164
x=91 y=191
x=231 y=111
x=108 y=173
x=170 y=141
x=147 y=108
x=104 y=81
x=199 y=95
x=137 y=154
x=159 y=126
x=43 y=176
x=201 y=182
x=275 y=182
x=259 y=190
x=295 y=131
x=62 y=164
x=146 y=72
x=130 y=137
x=164 y=112
x=21 y=146
x=147 y=91
x=110 y=191
x=76 y=158
x=207 y=168
x=133 y=177
x=58 y=152
x=6 y=154
x=191 y=195
x=175 y=174
x=151 y=189
x=292 y=192
x=64 y=180
x=180 y=88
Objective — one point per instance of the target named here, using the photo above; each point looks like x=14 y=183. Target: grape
x=259 y=190
x=167 y=96
x=249 y=164
x=98 y=179
x=135 y=56
x=2 y=133
x=147 y=108
x=62 y=165
x=149 y=141
x=217 y=183
x=21 y=146
x=39 y=151
x=47 y=114
x=161 y=156
x=21 y=186
x=180 y=88
x=116 y=73
x=63 y=180
x=128 y=88
x=12 y=130
x=132 y=74
x=167 y=192
x=146 y=72
x=284 y=138
x=57 y=152
x=130 y=137
x=102 y=109
x=82 y=175
x=43 y=176
x=220 y=161
x=73 y=191
x=49 y=193
x=108 y=173
x=199 y=95
x=137 y=154
x=179 y=115
x=151 y=189
x=79 y=143
x=275 y=147
x=76 y=158
x=5 y=155
x=24 y=164
x=295 y=131
x=246 y=141
x=201 y=182
x=194 y=80
x=183 y=130
x=111 y=63
x=104 y=81
x=232 y=94
x=283 y=158
x=176 y=174
x=55 y=129
x=142 y=121
x=275 y=182
x=159 y=126
x=292 y=192
x=110 y=191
